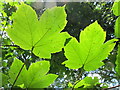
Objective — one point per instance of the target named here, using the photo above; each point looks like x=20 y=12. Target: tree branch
x=10 y=46
x=111 y=87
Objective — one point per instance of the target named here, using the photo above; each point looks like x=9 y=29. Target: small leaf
x=117 y=28
x=1 y=79
x=34 y=77
x=88 y=82
x=116 y=7
x=118 y=62
x=70 y=85
x=90 y=51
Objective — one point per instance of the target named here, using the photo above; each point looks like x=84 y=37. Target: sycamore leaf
x=116 y=11
x=116 y=7
x=88 y=82
x=34 y=77
x=118 y=62
x=90 y=51
x=42 y=36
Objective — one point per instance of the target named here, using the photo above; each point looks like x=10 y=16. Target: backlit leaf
x=90 y=51
x=0 y=79
x=70 y=85
x=43 y=81
x=87 y=82
x=116 y=7
x=42 y=36
x=118 y=61
x=34 y=77
x=117 y=28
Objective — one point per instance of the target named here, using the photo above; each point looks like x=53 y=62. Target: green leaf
x=42 y=36
x=34 y=77
x=118 y=62
x=70 y=85
x=38 y=69
x=117 y=28
x=1 y=79
x=4 y=79
x=43 y=82
x=116 y=7
x=90 y=51
x=88 y=82
x=14 y=70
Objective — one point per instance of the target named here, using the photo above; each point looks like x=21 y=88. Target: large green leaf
x=116 y=7
x=42 y=36
x=117 y=28
x=90 y=51
x=87 y=82
x=118 y=61
x=34 y=77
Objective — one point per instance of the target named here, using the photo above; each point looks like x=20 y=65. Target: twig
x=111 y=87
x=114 y=86
x=10 y=46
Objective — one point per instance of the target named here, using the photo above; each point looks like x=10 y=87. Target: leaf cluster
x=42 y=37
